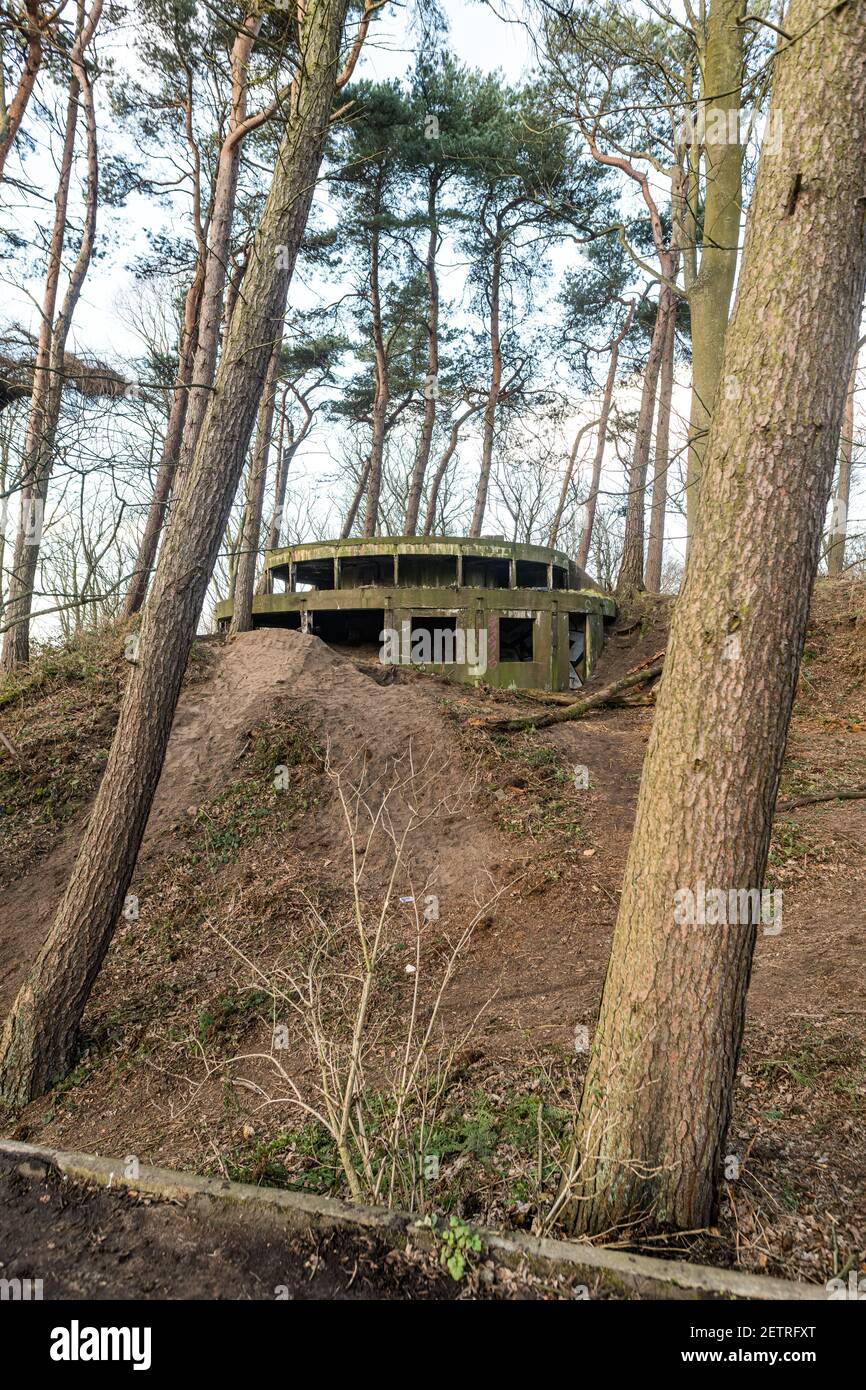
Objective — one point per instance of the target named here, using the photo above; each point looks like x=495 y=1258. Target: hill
x=305 y=787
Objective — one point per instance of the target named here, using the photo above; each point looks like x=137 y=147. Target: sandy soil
x=504 y=827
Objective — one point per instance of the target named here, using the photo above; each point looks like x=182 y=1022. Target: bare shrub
x=381 y=1064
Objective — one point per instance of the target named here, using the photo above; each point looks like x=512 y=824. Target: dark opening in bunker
x=358 y=570
x=515 y=639
x=316 y=574
x=531 y=574
x=433 y=639
x=349 y=627
x=427 y=571
x=486 y=572
x=560 y=577
x=576 y=650
x=276 y=619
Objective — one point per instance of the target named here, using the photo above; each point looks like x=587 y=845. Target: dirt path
x=87 y=1243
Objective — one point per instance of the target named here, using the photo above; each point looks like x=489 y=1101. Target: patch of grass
x=787 y=1193
x=787 y=843
x=480 y=1142
x=530 y=786
x=803 y=1067
x=281 y=768
x=58 y=767
x=89 y=660
x=59 y=716
x=303 y=1159
x=229 y=1013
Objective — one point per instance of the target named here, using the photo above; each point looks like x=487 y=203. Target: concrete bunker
x=479 y=609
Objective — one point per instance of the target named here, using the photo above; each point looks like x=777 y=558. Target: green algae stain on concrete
x=476 y=610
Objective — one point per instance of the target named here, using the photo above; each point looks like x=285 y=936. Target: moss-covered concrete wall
x=474 y=610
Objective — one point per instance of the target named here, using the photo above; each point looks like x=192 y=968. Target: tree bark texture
x=658 y=505
x=654 y=1114
x=710 y=292
x=39 y=1036
x=595 y=479
x=493 y=389
x=245 y=579
x=48 y=379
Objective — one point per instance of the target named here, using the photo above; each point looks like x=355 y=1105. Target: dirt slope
x=505 y=836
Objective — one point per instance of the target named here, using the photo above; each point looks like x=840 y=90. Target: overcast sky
x=479 y=36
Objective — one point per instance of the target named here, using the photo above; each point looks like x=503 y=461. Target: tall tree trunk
x=431 y=392
x=710 y=292
x=836 y=548
x=442 y=467
x=245 y=579
x=285 y=449
x=380 y=400
x=566 y=482
x=630 y=578
x=607 y=399
x=656 y=541
x=39 y=1036
x=234 y=280
x=218 y=244
x=176 y=422
x=4 y=474
x=203 y=311
x=493 y=390
x=47 y=393
x=657 y=1098
x=357 y=496
x=12 y=116
x=170 y=450
x=281 y=474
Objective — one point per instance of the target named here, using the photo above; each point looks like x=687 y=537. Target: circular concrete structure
x=482 y=609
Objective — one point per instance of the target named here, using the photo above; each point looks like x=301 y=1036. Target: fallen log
x=639 y=701
x=542 y=697
x=843 y=794
x=575 y=711
x=650 y=661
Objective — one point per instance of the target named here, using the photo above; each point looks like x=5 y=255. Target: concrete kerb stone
x=644 y=1275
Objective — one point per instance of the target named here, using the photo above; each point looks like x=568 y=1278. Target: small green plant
x=459 y=1247
x=802 y=1067
x=224 y=1013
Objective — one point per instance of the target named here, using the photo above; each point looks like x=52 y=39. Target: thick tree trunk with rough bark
x=839 y=512
x=595 y=479
x=39 y=1036
x=493 y=390
x=657 y=1099
x=245 y=579
x=658 y=506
